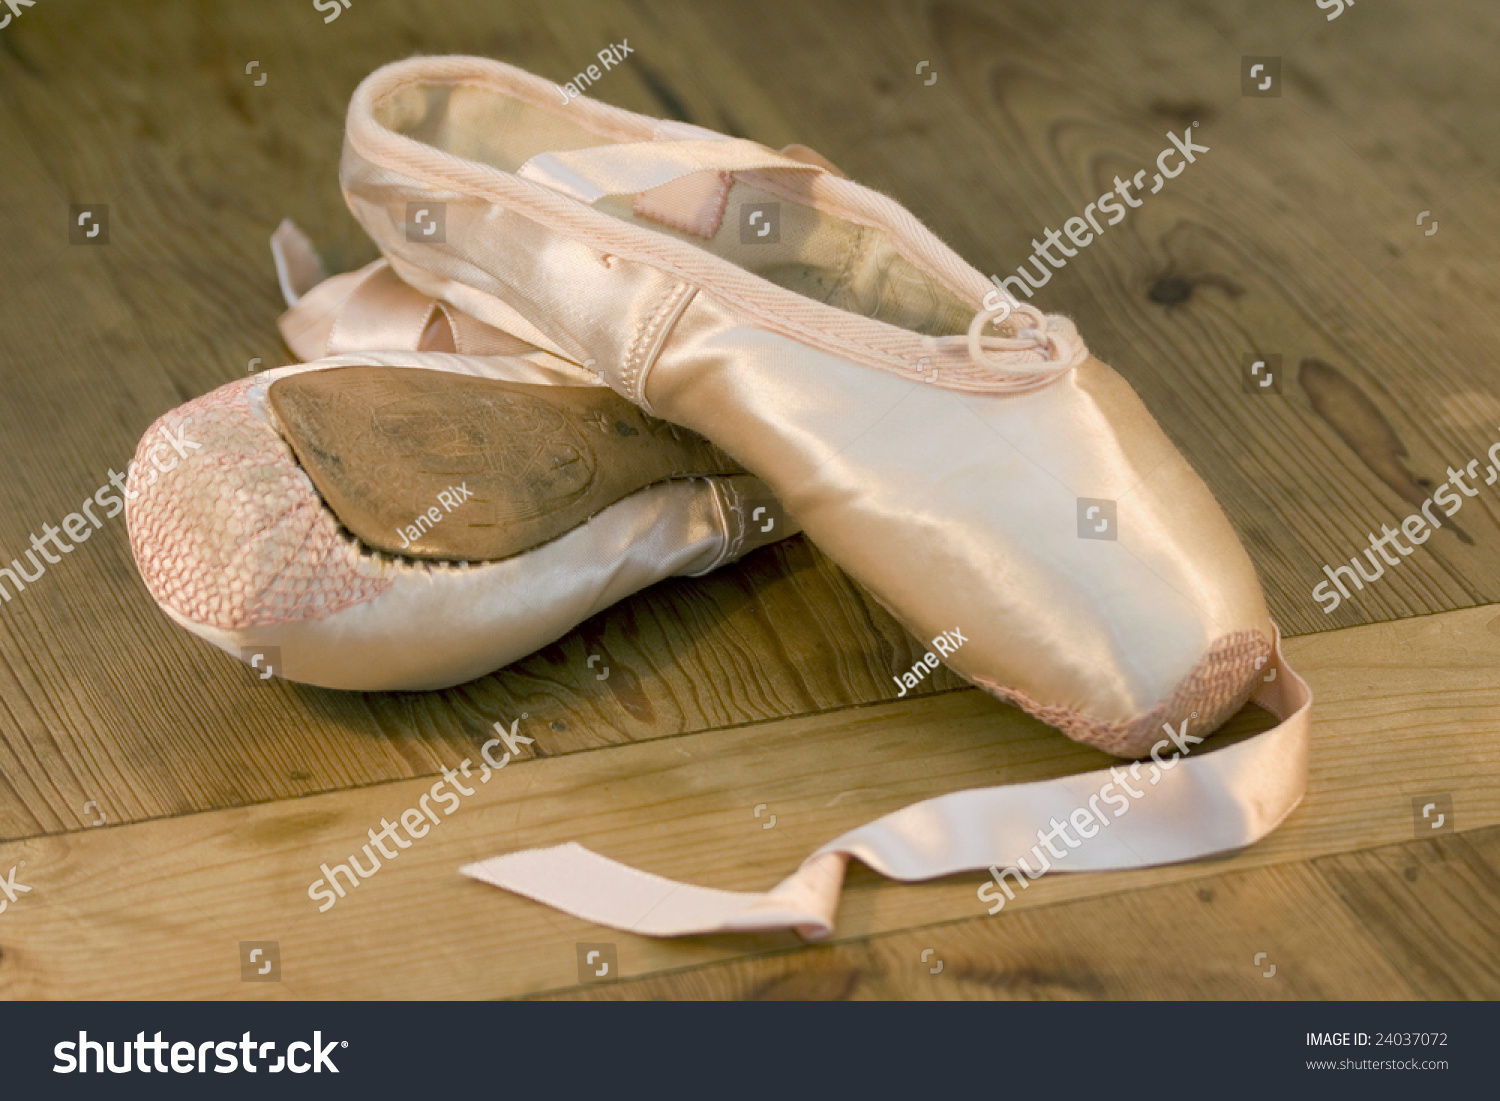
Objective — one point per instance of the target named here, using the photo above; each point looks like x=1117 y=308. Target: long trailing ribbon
x=1189 y=806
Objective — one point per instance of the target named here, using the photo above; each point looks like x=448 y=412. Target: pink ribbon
x=1190 y=806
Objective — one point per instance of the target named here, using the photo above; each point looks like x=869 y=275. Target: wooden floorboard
x=183 y=892
x=1406 y=921
x=770 y=682
x=1269 y=934
x=1432 y=906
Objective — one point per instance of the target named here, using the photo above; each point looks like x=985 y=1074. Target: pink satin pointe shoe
x=407 y=519
x=1006 y=495
x=829 y=342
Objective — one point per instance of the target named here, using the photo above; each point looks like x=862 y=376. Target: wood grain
x=1262 y=245
x=172 y=899
x=105 y=702
x=1434 y=908
x=1189 y=941
x=199 y=163
x=1295 y=234
x=1414 y=920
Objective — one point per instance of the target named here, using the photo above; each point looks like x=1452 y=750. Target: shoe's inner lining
x=434 y=465
x=818 y=255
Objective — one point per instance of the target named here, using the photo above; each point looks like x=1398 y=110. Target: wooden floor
x=168 y=806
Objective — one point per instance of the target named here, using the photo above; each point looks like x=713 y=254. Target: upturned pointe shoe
x=1007 y=497
x=411 y=520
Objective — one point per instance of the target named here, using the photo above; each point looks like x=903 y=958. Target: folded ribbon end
x=580 y=882
x=298 y=266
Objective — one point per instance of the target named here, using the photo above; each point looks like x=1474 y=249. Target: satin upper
x=961 y=510
x=956 y=510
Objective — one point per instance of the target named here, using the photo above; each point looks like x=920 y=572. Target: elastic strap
x=628 y=168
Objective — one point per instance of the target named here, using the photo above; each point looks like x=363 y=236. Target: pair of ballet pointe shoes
x=596 y=345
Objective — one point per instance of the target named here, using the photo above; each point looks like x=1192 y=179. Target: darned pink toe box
x=227 y=530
